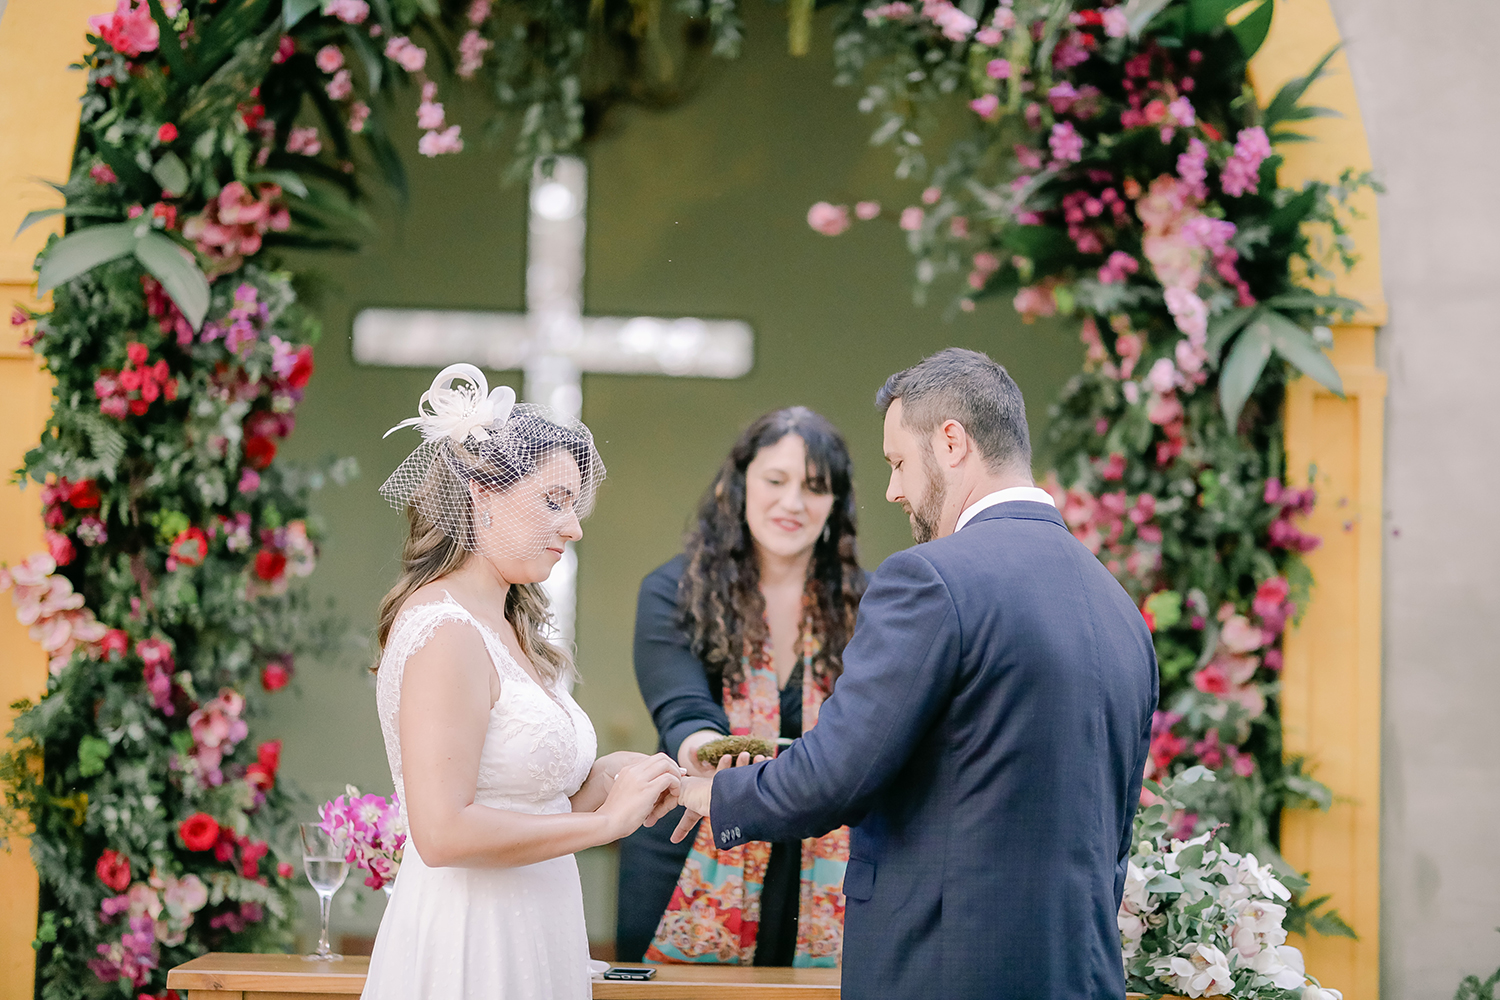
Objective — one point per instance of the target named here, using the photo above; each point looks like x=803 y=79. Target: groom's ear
x=951 y=443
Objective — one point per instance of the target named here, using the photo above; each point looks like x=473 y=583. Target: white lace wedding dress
x=496 y=933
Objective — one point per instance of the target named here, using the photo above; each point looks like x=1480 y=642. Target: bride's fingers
x=725 y=762
x=759 y=757
x=744 y=759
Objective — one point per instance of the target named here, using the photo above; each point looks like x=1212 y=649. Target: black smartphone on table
x=636 y=972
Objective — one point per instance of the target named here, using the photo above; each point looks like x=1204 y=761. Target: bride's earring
x=487 y=519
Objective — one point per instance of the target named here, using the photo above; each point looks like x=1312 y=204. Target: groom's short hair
x=970 y=387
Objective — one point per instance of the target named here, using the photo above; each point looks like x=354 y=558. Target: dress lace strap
x=418 y=624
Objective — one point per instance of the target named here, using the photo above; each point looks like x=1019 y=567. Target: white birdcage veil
x=495 y=476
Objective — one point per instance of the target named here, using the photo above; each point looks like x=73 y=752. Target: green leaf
x=1191 y=857
x=92 y=753
x=1251 y=30
x=288 y=180
x=296 y=10
x=1332 y=925
x=172 y=174
x=1206 y=15
x=83 y=251
x=1224 y=326
x=169 y=47
x=231 y=82
x=1320 y=303
x=1297 y=346
x=71 y=211
x=1284 y=104
x=1140 y=14
x=105 y=440
x=1242 y=369
x=179 y=275
x=1164 y=883
x=32 y=218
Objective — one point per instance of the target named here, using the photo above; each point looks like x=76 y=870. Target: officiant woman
x=743 y=633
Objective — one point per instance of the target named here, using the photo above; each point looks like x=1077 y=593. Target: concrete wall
x=1429 y=86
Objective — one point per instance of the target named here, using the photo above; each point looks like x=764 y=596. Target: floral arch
x=1119 y=168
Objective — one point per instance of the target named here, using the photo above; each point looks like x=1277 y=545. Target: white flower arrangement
x=1199 y=920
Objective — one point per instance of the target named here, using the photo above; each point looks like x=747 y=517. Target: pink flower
x=1270 y=596
x=1116 y=22
x=1113 y=469
x=439 y=143
x=1239 y=636
x=1162 y=378
x=1189 y=312
x=471 y=50
x=304 y=141
x=285 y=49
x=91 y=531
x=1164 y=410
x=230 y=226
x=997 y=69
x=479 y=12
x=406 y=54
x=954 y=23
x=932 y=195
x=348 y=11
x=867 y=210
x=130 y=30
x=911 y=218
x=1065 y=142
x=1117 y=267
x=1033 y=301
x=1241 y=174
x=359 y=113
x=1181 y=112
x=1061 y=97
x=341 y=86
x=986 y=107
x=167 y=133
x=828 y=219
x=430 y=116
x=329 y=59
x=989 y=36
x=102 y=174
x=958 y=227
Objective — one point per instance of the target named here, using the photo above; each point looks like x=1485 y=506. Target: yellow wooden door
x=38 y=122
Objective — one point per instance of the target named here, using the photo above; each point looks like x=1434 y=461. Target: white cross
x=553 y=343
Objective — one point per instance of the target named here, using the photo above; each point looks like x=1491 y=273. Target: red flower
x=190 y=548
x=200 y=831
x=113 y=870
x=259 y=451
x=130 y=30
x=167 y=133
x=262 y=774
x=114 y=641
x=269 y=565
x=250 y=856
x=284 y=869
x=1114 y=469
x=137 y=353
x=1149 y=617
x=83 y=495
x=1210 y=131
x=275 y=675
x=167 y=213
x=303 y=369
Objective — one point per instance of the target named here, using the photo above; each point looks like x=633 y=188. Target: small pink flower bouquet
x=373 y=828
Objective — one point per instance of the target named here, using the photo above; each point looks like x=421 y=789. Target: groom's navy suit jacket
x=986 y=743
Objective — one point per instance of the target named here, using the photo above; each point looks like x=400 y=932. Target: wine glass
x=323 y=859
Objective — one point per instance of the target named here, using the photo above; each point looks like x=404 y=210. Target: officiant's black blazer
x=986 y=742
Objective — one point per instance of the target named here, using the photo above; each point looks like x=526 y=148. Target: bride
x=493 y=760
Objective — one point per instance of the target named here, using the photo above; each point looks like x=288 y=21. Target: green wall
x=695 y=211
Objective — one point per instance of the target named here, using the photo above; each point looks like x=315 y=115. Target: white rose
x=1135 y=887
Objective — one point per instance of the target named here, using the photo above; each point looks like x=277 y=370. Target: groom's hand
x=695 y=795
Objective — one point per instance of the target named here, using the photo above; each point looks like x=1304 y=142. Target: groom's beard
x=926 y=515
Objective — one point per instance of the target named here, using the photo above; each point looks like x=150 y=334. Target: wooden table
x=220 y=976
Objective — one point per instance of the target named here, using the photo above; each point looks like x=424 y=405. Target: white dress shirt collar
x=1034 y=494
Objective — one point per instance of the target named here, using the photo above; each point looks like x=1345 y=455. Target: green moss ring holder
x=710 y=752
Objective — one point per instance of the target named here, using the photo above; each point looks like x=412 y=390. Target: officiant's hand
x=642 y=792
x=696 y=795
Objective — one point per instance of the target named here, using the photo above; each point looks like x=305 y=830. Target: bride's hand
x=643 y=790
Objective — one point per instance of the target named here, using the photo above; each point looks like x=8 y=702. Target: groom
x=987 y=738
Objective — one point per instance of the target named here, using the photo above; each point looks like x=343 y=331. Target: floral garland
x=1117 y=170
x=1096 y=182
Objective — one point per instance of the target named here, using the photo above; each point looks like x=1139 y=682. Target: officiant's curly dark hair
x=719 y=600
